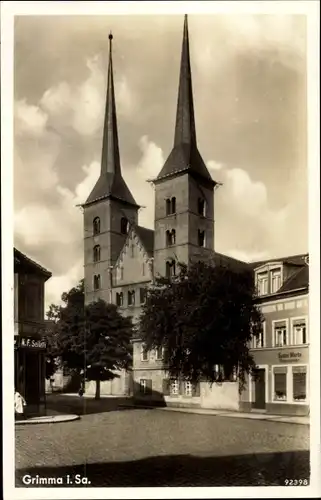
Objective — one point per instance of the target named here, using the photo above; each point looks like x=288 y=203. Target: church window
x=97 y=283
x=201 y=238
x=119 y=299
x=124 y=225
x=96 y=225
x=143 y=294
x=171 y=206
x=170 y=237
x=131 y=298
x=170 y=269
x=201 y=207
x=143 y=269
x=96 y=253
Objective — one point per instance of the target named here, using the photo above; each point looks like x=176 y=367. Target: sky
x=249 y=83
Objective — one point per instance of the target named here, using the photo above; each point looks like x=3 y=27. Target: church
x=122 y=258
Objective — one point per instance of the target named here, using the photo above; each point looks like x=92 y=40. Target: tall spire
x=110 y=160
x=110 y=182
x=185 y=132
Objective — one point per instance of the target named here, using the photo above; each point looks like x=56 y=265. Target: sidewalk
x=253 y=416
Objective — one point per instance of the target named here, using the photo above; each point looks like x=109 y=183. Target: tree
x=204 y=318
x=92 y=340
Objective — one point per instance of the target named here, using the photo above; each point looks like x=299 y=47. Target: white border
x=8 y=9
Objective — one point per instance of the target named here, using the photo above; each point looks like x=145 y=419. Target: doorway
x=259 y=389
x=32 y=378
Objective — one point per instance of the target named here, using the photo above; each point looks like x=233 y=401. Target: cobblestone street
x=139 y=447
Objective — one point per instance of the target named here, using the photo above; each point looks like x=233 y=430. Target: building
x=29 y=343
x=281 y=353
x=121 y=258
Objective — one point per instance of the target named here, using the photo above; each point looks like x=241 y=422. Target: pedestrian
x=19 y=404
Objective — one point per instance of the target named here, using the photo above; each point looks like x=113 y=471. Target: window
x=97 y=282
x=171 y=206
x=96 y=252
x=219 y=372
x=119 y=299
x=201 y=206
x=96 y=225
x=170 y=269
x=143 y=269
x=131 y=298
x=144 y=354
x=188 y=389
x=275 y=280
x=201 y=238
x=142 y=295
x=262 y=283
x=174 y=389
x=132 y=250
x=145 y=386
x=299 y=332
x=280 y=334
x=170 y=237
x=159 y=353
x=124 y=225
x=280 y=375
x=299 y=374
x=259 y=342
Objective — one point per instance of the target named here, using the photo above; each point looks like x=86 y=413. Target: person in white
x=19 y=403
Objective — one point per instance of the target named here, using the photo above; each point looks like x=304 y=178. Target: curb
x=53 y=419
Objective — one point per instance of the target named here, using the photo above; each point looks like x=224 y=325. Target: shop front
x=30 y=371
x=280 y=384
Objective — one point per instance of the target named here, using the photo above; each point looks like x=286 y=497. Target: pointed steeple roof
x=110 y=182
x=185 y=155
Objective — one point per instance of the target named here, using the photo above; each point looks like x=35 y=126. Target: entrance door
x=32 y=380
x=259 y=389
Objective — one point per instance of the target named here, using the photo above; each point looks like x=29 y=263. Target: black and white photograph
x=160 y=174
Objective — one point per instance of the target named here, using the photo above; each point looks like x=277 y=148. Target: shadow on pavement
x=78 y=405
x=263 y=469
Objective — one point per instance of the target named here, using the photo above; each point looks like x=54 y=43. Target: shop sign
x=29 y=343
x=289 y=356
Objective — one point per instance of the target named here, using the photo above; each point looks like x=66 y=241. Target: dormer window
x=170 y=238
x=170 y=269
x=96 y=226
x=124 y=225
x=262 y=283
x=275 y=280
x=201 y=238
x=201 y=206
x=96 y=253
x=171 y=206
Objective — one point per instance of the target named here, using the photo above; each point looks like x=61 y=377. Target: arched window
x=201 y=238
x=96 y=253
x=131 y=298
x=119 y=299
x=124 y=225
x=97 y=282
x=170 y=237
x=171 y=206
x=173 y=202
x=201 y=207
x=96 y=225
x=170 y=269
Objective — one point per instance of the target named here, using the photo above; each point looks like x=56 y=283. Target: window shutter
x=149 y=386
x=166 y=387
x=196 y=390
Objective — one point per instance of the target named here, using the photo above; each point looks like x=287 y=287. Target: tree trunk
x=97 y=395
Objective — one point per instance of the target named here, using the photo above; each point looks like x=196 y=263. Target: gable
x=133 y=263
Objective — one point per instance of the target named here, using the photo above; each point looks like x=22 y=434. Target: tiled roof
x=147 y=238
x=300 y=279
x=224 y=260
x=22 y=259
x=111 y=185
x=294 y=260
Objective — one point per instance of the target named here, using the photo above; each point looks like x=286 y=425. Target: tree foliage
x=204 y=318
x=94 y=340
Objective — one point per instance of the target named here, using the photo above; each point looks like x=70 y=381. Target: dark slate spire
x=110 y=183
x=185 y=155
x=185 y=132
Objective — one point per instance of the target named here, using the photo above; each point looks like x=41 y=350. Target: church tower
x=184 y=189
x=110 y=208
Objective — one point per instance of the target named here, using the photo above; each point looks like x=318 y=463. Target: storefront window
x=299 y=383
x=280 y=376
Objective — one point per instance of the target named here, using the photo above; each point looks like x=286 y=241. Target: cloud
x=56 y=285
x=29 y=119
x=214 y=165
